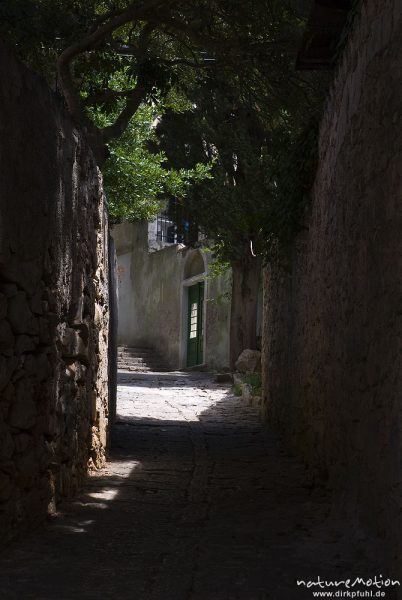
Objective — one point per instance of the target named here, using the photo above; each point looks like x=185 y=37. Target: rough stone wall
x=333 y=327
x=53 y=302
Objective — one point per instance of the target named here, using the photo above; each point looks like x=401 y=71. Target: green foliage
x=136 y=179
x=41 y=29
x=232 y=141
x=263 y=168
x=217 y=268
x=292 y=164
x=253 y=41
x=254 y=379
x=236 y=389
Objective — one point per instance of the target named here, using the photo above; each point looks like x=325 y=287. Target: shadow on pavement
x=198 y=501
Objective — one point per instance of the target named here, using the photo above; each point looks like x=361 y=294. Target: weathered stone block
x=24 y=344
x=246 y=391
x=27 y=469
x=44 y=331
x=249 y=361
x=3 y=306
x=256 y=401
x=7 y=367
x=73 y=345
x=35 y=302
x=51 y=427
x=7 y=340
x=8 y=289
x=6 y=487
x=6 y=443
x=224 y=378
x=77 y=311
x=77 y=371
x=37 y=366
x=22 y=441
x=7 y=467
x=19 y=314
x=8 y=394
x=26 y=274
x=23 y=410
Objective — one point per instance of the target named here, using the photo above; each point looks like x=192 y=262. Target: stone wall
x=53 y=302
x=333 y=326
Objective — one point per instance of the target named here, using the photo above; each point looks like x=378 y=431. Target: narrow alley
x=197 y=501
x=193 y=193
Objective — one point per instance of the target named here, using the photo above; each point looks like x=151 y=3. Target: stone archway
x=194 y=265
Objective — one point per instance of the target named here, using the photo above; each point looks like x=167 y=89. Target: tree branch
x=186 y=62
x=135 y=12
x=151 y=14
x=201 y=40
x=136 y=96
x=105 y=95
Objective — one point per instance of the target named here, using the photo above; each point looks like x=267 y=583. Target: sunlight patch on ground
x=172 y=400
x=106 y=494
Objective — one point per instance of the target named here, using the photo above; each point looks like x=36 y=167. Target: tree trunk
x=243 y=315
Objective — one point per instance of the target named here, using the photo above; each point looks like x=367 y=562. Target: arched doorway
x=193 y=310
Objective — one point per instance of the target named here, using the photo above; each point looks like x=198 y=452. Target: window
x=173 y=225
x=193 y=320
x=165 y=229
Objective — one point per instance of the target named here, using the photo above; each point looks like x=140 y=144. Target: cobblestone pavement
x=198 y=502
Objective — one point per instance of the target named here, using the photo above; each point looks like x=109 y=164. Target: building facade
x=168 y=300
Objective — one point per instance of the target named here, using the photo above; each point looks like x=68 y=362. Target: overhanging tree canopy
x=230 y=61
x=157 y=44
x=262 y=170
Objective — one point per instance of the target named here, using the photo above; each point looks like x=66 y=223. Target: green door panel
x=195 y=335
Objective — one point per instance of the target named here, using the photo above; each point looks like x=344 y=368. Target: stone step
x=138 y=359
x=131 y=358
x=143 y=369
x=151 y=365
x=136 y=356
x=134 y=369
x=133 y=351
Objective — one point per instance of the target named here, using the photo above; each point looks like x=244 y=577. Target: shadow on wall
x=53 y=302
x=208 y=507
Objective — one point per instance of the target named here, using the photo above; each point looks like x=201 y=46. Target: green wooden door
x=195 y=336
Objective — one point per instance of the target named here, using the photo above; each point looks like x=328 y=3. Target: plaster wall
x=217 y=321
x=153 y=299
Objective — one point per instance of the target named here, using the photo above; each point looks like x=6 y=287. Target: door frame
x=186 y=283
x=195 y=344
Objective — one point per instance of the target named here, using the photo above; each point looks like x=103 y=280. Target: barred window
x=173 y=225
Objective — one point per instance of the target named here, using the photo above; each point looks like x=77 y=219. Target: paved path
x=198 y=502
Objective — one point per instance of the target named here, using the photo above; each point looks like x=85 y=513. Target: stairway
x=140 y=360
